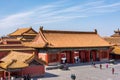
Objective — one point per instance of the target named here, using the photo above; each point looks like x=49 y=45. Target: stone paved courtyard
x=84 y=72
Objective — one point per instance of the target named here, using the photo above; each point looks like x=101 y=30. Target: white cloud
x=16 y=19
x=56 y=12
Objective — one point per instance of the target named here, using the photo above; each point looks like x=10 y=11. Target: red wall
x=68 y=56
x=1 y=73
x=31 y=70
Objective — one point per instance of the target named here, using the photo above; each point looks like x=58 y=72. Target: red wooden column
x=8 y=75
x=72 y=54
x=59 y=57
x=100 y=55
x=82 y=55
x=108 y=55
x=94 y=55
x=88 y=55
x=67 y=53
x=21 y=72
x=4 y=75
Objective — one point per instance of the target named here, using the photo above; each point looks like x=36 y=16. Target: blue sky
x=77 y=15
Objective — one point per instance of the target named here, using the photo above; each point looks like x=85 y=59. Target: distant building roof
x=24 y=34
x=23 y=31
x=8 y=44
x=116 y=33
x=67 y=39
x=113 y=40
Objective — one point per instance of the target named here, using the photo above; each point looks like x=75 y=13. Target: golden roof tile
x=116 y=50
x=23 y=31
x=113 y=40
x=67 y=39
x=15 y=60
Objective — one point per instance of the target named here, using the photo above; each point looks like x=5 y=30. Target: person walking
x=106 y=65
x=113 y=70
x=100 y=66
x=94 y=65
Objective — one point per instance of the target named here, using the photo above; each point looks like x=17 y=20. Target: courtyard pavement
x=84 y=72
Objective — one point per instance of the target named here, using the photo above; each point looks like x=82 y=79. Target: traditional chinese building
x=114 y=41
x=24 y=34
x=21 y=64
x=8 y=44
x=56 y=46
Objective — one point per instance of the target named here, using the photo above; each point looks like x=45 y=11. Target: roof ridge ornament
x=96 y=31
x=44 y=38
x=41 y=28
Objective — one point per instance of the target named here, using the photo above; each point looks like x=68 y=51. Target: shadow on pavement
x=84 y=64
x=49 y=75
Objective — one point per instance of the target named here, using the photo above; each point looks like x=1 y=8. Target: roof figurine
x=96 y=31
x=41 y=28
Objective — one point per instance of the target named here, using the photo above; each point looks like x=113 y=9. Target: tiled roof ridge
x=74 y=32
x=18 y=29
x=13 y=31
x=111 y=37
x=13 y=61
x=102 y=38
x=30 y=58
x=42 y=35
x=27 y=29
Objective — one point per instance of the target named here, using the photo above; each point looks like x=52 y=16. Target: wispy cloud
x=58 y=12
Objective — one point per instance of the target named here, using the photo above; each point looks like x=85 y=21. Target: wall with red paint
x=31 y=70
x=1 y=73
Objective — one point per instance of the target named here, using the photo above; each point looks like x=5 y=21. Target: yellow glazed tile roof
x=74 y=39
x=16 y=60
x=113 y=40
x=23 y=31
x=67 y=39
x=116 y=50
x=20 y=31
